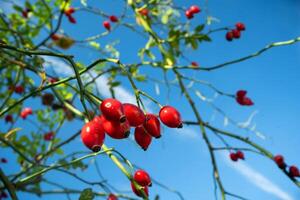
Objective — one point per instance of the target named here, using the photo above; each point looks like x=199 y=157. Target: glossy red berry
x=294 y=171
x=236 y=33
x=112 y=197
x=112 y=110
x=113 y=18
x=47 y=99
x=142 y=178
x=116 y=130
x=195 y=9
x=240 y=155
x=3 y=160
x=194 y=64
x=106 y=25
x=134 y=114
x=152 y=125
x=55 y=37
x=25 y=112
x=241 y=93
x=49 y=136
x=144 y=12
x=240 y=26
x=233 y=156
x=19 y=89
x=93 y=135
x=69 y=11
x=279 y=160
x=53 y=80
x=139 y=193
x=8 y=118
x=71 y=19
x=189 y=14
x=142 y=138
x=170 y=117
x=242 y=99
x=229 y=36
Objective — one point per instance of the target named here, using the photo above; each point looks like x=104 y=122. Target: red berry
x=279 y=160
x=240 y=26
x=233 y=157
x=236 y=33
x=134 y=114
x=53 y=80
x=112 y=110
x=112 y=197
x=8 y=118
x=242 y=99
x=139 y=193
x=93 y=135
x=144 y=12
x=25 y=14
x=47 y=99
x=294 y=171
x=71 y=19
x=113 y=18
x=142 y=178
x=229 y=36
x=116 y=130
x=19 y=89
x=195 y=9
x=69 y=11
x=152 y=125
x=194 y=64
x=25 y=112
x=142 y=137
x=55 y=37
x=3 y=160
x=106 y=25
x=189 y=14
x=241 y=93
x=240 y=155
x=170 y=117
x=49 y=136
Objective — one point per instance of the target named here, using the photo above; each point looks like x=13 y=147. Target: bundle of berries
x=192 y=11
x=117 y=118
x=106 y=23
x=236 y=156
x=293 y=170
x=235 y=33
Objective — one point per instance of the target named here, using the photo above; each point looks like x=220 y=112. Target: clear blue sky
x=180 y=160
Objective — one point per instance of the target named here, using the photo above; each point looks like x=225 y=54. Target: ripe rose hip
x=144 y=12
x=170 y=117
x=152 y=125
x=134 y=114
x=240 y=26
x=19 y=89
x=233 y=156
x=240 y=155
x=25 y=112
x=242 y=99
x=55 y=37
x=241 y=93
x=47 y=99
x=112 y=110
x=294 y=171
x=139 y=193
x=71 y=19
x=49 y=136
x=142 y=178
x=69 y=11
x=106 y=25
x=113 y=18
x=279 y=160
x=142 y=138
x=236 y=33
x=116 y=130
x=229 y=36
x=194 y=9
x=93 y=135
x=189 y=14
x=53 y=80
x=194 y=64
x=112 y=197
x=8 y=118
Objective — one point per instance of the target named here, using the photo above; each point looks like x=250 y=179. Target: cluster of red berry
x=189 y=13
x=68 y=13
x=242 y=99
x=237 y=155
x=235 y=33
x=117 y=118
x=106 y=23
x=293 y=170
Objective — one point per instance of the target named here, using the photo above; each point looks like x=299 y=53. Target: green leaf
x=87 y=194
x=199 y=28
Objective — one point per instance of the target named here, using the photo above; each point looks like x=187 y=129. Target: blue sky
x=180 y=159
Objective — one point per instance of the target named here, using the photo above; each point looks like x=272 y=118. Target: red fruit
x=242 y=99
x=139 y=193
x=134 y=114
x=195 y=9
x=55 y=37
x=142 y=178
x=25 y=14
x=189 y=14
x=47 y=99
x=49 y=136
x=71 y=19
x=53 y=80
x=236 y=33
x=279 y=160
x=25 y=112
x=152 y=125
x=240 y=155
x=294 y=171
x=116 y=130
x=170 y=117
x=112 y=197
x=194 y=64
x=69 y=11
x=229 y=36
x=112 y=110
x=142 y=137
x=233 y=157
x=240 y=26
x=144 y=12
x=8 y=118
x=106 y=25
x=241 y=93
x=3 y=160
x=19 y=89
x=113 y=18
x=93 y=135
